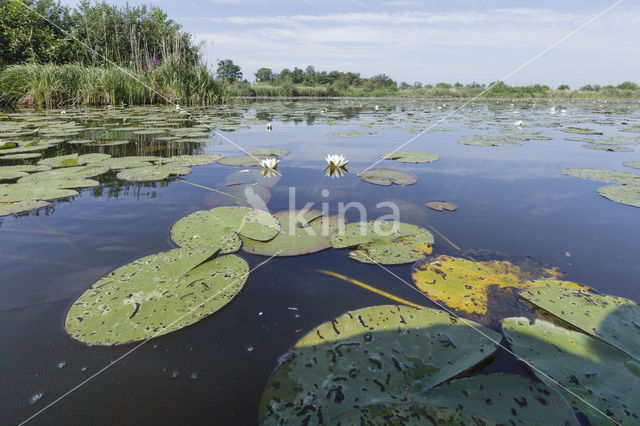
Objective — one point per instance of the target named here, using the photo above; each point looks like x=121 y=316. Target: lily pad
x=412 y=157
x=386 y=177
x=612 y=319
x=219 y=228
x=92 y=158
x=372 y=356
x=602 y=175
x=21 y=206
x=78 y=172
x=107 y=143
x=633 y=164
x=61 y=161
x=192 y=160
x=478 y=140
x=581 y=131
x=24 y=156
x=277 y=152
x=155 y=295
x=593 y=371
x=301 y=232
x=242 y=160
x=16 y=192
x=141 y=174
x=124 y=163
x=504 y=399
x=471 y=286
x=441 y=205
x=384 y=242
x=623 y=194
x=608 y=148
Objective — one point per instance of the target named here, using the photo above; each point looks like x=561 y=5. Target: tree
x=228 y=71
x=264 y=75
x=563 y=87
x=404 y=85
x=627 y=85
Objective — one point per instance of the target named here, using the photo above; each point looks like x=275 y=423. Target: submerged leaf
x=384 y=242
x=371 y=356
x=155 y=295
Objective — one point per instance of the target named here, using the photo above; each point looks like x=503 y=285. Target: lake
x=513 y=202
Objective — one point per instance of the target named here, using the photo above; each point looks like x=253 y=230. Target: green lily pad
x=192 y=160
x=441 y=205
x=11 y=174
x=386 y=177
x=633 y=164
x=602 y=175
x=16 y=192
x=124 y=163
x=351 y=133
x=623 y=194
x=580 y=131
x=371 y=356
x=275 y=152
x=155 y=295
x=412 y=157
x=384 y=242
x=25 y=156
x=241 y=160
x=608 y=148
x=471 y=286
x=504 y=399
x=21 y=206
x=61 y=161
x=78 y=172
x=148 y=173
x=92 y=158
x=591 y=370
x=615 y=320
x=219 y=228
x=487 y=140
x=409 y=414
x=108 y=143
x=301 y=232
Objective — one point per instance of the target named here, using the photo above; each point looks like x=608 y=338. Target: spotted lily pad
x=615 y=320
x=472 y=286
x=623 y=194
x=386 y=177
x=301 y=232
x=155 y=295
x=219 y=228
x=412 y=157
x=21 y=206
x=441 y=205
x=602 y=175
x=372 y=356
x=384 y=242
x=597 y=379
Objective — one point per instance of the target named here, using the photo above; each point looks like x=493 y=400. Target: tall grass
x=51 y=86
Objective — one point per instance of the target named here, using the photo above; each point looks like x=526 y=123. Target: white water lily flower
x=336 y=160
x=518 y=123
x=269 y=163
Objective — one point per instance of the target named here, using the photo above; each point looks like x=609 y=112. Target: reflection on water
x=511 y=199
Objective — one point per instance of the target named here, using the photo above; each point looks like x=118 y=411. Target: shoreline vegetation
x=98 y=54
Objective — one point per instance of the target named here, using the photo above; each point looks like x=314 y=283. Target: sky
x=427 y=41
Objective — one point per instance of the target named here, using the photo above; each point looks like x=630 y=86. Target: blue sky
x=427 y=41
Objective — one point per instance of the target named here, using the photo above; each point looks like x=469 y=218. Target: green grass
x=52 y=86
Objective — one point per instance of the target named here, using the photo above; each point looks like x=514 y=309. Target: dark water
x=511 y=199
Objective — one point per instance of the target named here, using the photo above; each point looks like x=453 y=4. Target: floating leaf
x=441 y=205
x=469 y=286
x=278 y=152
x=155 y=295
x=504 y=399
x=633 y=164
x=242 y=160
x=124 y=163
x=351 y=133
x=107 y=143
x=92 y=158
x=371 y=356
x=301 y=232
x=588 y=369
x=580 y=131
x=21 y=206
x=78 y=172
x=412 y=157
x=615 y=320
x=623 y=194
x=607 y=148
x=384 y=242
x=192 y=160
x=602 y=175
x=153 y=172
x=479 y=140
x=25 y=156
x=61 y=161
x=386 y=177
x=219 y=228
x=15 y=192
